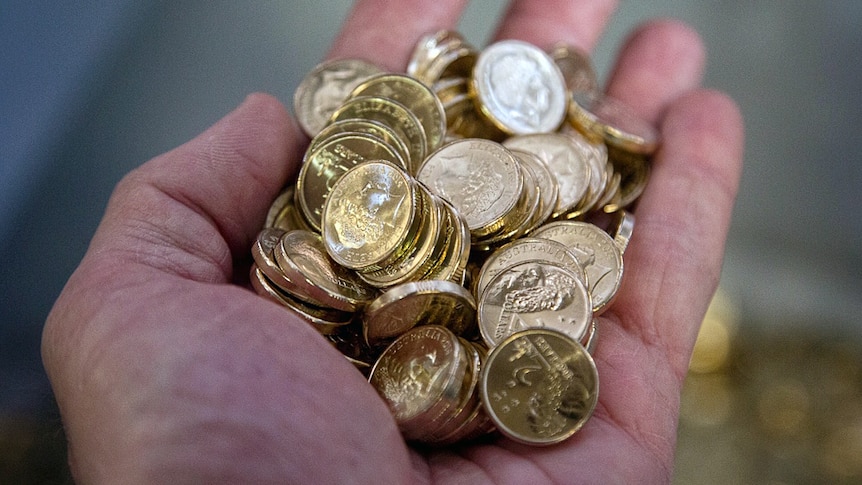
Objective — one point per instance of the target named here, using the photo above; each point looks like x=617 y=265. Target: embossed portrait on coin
x=333 y=87
x=520 y=89
x=534 y=288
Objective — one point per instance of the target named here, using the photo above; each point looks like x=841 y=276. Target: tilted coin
x=263 y=254
x=612 y=121
x=596 y=251
x=392 y=114
x=417 y=97
x=527 y=249
x=566 y=159
x=519 y=88
x=371 y=216
x=323 y=90
x=576 y=67
x=460 y=416
x=283 y=213
x=324 y=320
x=386 y=134
x=622 y=228
x=315 y=277
x=328 y=162
x=479 y=177
x=539 y=387
x=420 y=376
x=634 y=171
x=548 y=187
x=452 y=251
x=534 y=294
x=427 y=302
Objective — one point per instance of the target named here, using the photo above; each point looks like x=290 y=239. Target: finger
x=660 y=60
x=682 y=222
x=544 y=23
x=385 y=31
x=210 y=191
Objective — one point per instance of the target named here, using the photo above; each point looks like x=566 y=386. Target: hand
x=167 y=369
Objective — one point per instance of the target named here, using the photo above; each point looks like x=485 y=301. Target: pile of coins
x=437 y=232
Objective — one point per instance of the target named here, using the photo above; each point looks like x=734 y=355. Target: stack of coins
x=437 y=232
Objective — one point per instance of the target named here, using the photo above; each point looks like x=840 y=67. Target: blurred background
x=90 y=89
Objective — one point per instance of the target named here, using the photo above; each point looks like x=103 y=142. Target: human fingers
x=385 y=31
x=546 y=22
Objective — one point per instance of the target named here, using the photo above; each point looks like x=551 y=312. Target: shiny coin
x=596 y=251
x=528 y=249
x=519 y=88
x=392 y=114
x=370 y=217
x=323 y=90
x=428 y=302
x=479 y=177
x=385 y=134
x=315 y=277
x=612 y=121
x=328 y=162
x=420 y=376
x=263 y=253
x=539 y=387
x=565 y=158
x=534 y=294
x=324 y=320
x=622 y=228
x=416 y=97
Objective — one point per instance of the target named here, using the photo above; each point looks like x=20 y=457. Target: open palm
x=167 y=368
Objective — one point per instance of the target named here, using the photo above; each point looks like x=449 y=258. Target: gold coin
x=315 y=277
x=417 y=97
x=519 y=88
x=420 y=376
x=634 y=171
x=392 y=114
x=528 y=249
x=324 y=320
x=427 y=302
x=371 y=216
x=328 y=162
x=470 y=401
x=597 y=160
x=481 y=178
x=596 y=251
x=566 y=158
x=612 y=121
x=539 y=387
x=452 y=251
x=323 y=90
x=519 y=219
x=546 y=183
x=591 y=339
x=263 y=254
x=534 y=294
x=439 y=55
x=576 y=67
x=384 y=133
x=283 y=213
x=417 y=258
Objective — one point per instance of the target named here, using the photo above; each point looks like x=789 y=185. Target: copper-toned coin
x=528 y=249
x=315 y=277
x=420 y=376
x=371 y=216
x=328 y=162
x=539 y=387
x=323 y=90
x=596 y=251
x=481 y=178
x=417 y=97
x=427 y=302
x=519 y=88
x=534 y=294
